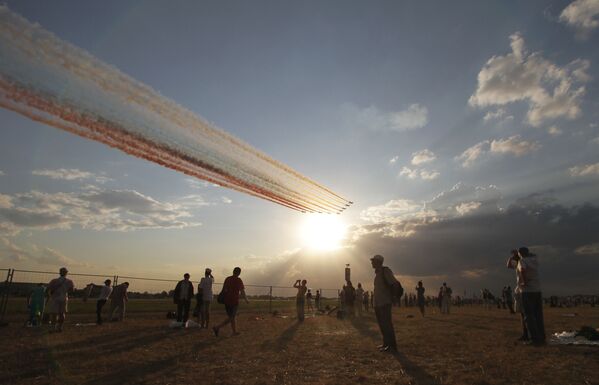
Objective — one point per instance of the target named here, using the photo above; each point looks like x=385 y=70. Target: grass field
x=470 y=346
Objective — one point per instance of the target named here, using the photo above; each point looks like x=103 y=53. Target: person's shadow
x=420 y=376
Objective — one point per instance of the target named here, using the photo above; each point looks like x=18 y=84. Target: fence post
x=5 y=294
x=270 y=300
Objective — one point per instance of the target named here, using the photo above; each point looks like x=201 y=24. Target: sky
x=459 y=130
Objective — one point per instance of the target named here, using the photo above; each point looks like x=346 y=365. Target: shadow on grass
x=283 y=340
x=418 y=374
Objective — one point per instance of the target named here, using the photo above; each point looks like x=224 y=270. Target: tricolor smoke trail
x=54 y=82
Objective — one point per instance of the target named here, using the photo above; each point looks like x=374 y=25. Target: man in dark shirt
x=232 y=289
x=182 y=297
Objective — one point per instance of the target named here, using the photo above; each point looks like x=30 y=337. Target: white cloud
x=590 y=249
x=583 y=15
x=585 y=170
x=500 y=115
x=413 y=117
x=467 y=207
x=419 y=173
x=423 y=156
x=474 y=273
x=2 y=173
x=226 y=200
x=10 y=251
x=551 y=91
x=471 y=154
x=97 y=209
x=554 y=131
x=513 y=145
x=70 y=174
x=394 y=159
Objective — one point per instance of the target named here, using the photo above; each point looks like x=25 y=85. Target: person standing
x=420 y=297
x=365 y=301
x=232 y=289
x=359 y=299
x=350 y=299
x=385 y=285
x=59 y=290
x=35 y=303
x=105 y=292
x=309 y=301
x=445 y=298
x=182 y=297
x=317 y=300
x=512 y=263
x=205 y=286
x=118 y=299
x=300 y=298
x=532 y=299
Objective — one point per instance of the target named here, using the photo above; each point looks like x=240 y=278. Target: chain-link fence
x=146 y=295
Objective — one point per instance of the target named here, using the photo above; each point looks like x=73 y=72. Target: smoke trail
x=54 y=82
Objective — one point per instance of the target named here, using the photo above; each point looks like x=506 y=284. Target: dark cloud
x=471 y=250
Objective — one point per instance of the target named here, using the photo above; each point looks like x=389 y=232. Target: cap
x=377 y=258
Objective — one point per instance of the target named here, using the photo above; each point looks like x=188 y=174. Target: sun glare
x=322 y=231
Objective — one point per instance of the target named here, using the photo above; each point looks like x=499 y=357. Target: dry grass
x=471 y=346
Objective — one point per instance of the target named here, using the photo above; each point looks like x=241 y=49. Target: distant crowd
x=525 y=299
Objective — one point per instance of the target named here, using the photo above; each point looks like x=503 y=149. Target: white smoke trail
x=52 y=81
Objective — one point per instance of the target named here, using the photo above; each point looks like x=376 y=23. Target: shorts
x=57 y=306
x=231 y=310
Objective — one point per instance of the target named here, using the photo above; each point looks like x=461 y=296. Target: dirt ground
x=470 y=346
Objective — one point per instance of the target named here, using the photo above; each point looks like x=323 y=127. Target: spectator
x=317 y=300
x=35 y=303
x=300 y=298
x=182 y=297
x=205 y=287
x=118 y=299
x=359 y=299
x=512 y=263
x=532 y=299
x=365 y=300
x=105 y=292
x=59 y=289
x=385 y=285
x=309 y=301
x=445 y=298
x=420 y=295
x=232 y=289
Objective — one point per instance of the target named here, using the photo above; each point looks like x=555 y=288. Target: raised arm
x=296 y=284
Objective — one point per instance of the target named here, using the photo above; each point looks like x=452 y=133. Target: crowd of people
x=525 y=299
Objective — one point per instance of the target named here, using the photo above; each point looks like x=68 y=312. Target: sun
x=323 y=232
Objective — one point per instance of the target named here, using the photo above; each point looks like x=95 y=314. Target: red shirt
x=232 y=286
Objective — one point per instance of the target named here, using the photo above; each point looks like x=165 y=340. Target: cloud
x=2 y=173
x=226 y=200
x=551 y=91
x=596 y=140
x=513 y=145
x=471 y=154
x=422 y=157
x=70 y=174
x=416 y=173
x=97 y=209
x=371 y=118
x=500 y=115
x=394 y=159
x=52 y=257
x=10 y=251
x=582 y=15
x=465 y=248
x=585 y=170
x=590 y=249
x=554 y=131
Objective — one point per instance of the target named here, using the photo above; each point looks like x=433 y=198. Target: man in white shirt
x=105 y=292
x=532 y=299
x=59 y=289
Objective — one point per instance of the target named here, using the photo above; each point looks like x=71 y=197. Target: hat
x=377 y=258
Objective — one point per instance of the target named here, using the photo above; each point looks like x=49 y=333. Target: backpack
x=395 y=288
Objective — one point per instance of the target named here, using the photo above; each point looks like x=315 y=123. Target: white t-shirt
x=105 y=292
x=206 y=286
x=530 y=265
